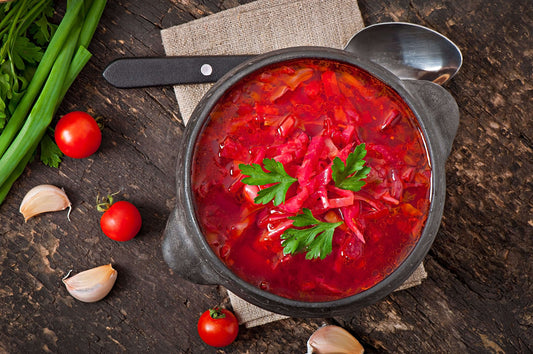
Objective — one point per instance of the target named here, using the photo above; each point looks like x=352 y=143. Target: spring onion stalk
x=42 y=112
x=6 y=186
x=91 y=21
x=81 y=58
x=62 y=62
x=63 y=32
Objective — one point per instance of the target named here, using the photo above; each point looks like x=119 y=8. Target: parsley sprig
x=316 y=240
x=276 y=174
x=308 y=234
x=355 y=166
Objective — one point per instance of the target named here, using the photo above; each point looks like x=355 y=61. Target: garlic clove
x=42 y=199
x=333 y=339
x=91 y=285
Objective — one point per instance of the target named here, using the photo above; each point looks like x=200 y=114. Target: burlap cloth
x=255 y=28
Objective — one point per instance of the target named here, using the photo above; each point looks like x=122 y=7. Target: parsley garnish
x=50 y=153
x=316 y=240
x=354 y=166
x=308 y=234
x=276 y=174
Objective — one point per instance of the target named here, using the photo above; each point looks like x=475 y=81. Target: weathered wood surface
x=479 y=293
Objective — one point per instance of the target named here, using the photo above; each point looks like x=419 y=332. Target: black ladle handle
x=161 y=71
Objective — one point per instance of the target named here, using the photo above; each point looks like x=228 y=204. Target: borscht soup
x=311 y=180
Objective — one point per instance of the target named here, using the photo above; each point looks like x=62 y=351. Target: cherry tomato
x=77 y=135
x=218 y=327
x=121 y=222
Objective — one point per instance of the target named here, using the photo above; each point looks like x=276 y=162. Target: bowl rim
x=272 y=301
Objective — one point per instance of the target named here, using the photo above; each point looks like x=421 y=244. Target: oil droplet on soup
x=304 y=113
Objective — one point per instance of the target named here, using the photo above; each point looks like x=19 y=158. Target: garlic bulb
x=333 y=339
x=91 y=285
x=42 y=199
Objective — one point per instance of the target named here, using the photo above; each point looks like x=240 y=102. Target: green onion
x=63 y=60
x=81 y=58
x=6 y=186
x=91 y=21
x=42 y=112
x=41 y=74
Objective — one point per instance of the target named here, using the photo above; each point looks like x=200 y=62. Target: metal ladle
x=407 y=50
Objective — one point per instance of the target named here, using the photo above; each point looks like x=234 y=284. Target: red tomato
x=77 y=135
x=250 y=192
x=218 y=327
x=121 y=222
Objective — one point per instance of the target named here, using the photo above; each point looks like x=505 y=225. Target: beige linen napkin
x=260 y=27
x=251 y=315
x=255 y=28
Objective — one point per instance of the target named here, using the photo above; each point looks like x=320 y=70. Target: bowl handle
x=442 y=111
x=182 y=254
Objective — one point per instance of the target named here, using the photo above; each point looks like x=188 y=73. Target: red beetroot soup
x=303 y=113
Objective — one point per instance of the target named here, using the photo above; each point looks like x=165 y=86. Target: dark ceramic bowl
x=187 y=252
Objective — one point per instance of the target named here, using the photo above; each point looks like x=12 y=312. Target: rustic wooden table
x=479 y=293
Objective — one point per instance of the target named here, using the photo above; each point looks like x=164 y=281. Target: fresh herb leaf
x=20 y=52
x=31 y=96
x=50 y=153
x=315 y=240
x=354 y=166
x=25 y=51
x=42 y=30
x=276 y=174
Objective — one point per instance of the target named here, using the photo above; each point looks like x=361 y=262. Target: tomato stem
x=103 y=204
x=100 y=122
x=215 y=313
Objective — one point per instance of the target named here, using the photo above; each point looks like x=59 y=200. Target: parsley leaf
x=50 y=153
x=316 y=240
x=25 y=51
x=276 y=174
x=20 y=52
x=42 y=30
x=340 y=172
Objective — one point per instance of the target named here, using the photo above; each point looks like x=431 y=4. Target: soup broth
x=304 y=113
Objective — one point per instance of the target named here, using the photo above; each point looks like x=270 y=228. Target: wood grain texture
x=479 y=293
